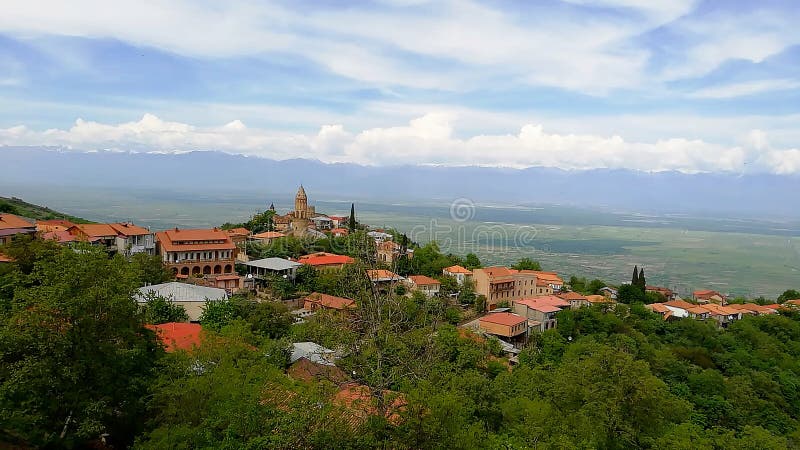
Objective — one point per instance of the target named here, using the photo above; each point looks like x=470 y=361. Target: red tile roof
x=553 y=300
x=60 y=236
x=382 y=275
x=325 y=259
x=178 y=336
x=422 y=280
x=13 y=221
x=752 y=307
x=5 y=259
x=680 y=304
x=497 y=272
x=269 y=235
x=43 y=225
x=658 y=307
x=503 y=318
x=550 y=277
x=571 y=295
x=549 y=303
x=194 y=240
x=241 y=231
x=226 y=277
x=343 y=231
x=597 y=299
x=94 y=230
x=129 y=229
x=706 y=294
x=457 y=269
x=330 y=301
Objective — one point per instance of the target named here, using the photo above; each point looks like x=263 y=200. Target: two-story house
x=461 y=274
x=197 y=252
x=540 y=311
x=424 y=284
x=132 y=239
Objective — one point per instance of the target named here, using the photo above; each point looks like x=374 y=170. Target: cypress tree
x=642 y=280
x=635 y=278
x=351 y=224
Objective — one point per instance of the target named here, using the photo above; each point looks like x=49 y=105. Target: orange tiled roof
x=597 y=299
x=8 y=221
x=226 y=277
x=269 y=235
x=457 y=269
x=340 y=231
x=178 y=335
x=718 y=309
x=534 y=303
x=129 y=229
x=752 y=307
x=194 y=240
x=45 y=225
x=658 y=307
x=680 y=304
x=4 y=258
x=706 y=293
x=97 y=229
x=325 y=259
x=503 y=318
x=571 y=295
x=382 y=274
x=240 y=231
x=423 y=280
x=60 y=236
x=550 y=277
x=331 y=301
x=497 y=272
x=698 y=310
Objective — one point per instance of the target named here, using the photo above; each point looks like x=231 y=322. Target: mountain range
x=746 y=195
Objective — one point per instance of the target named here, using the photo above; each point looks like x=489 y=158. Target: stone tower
x=301 y=204
x=302 y=213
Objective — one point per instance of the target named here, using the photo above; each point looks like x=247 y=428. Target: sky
x=652 y=85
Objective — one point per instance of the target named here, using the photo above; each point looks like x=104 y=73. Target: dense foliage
x=76 y=363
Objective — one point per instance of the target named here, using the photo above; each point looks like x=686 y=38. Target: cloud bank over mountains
x=431 y=139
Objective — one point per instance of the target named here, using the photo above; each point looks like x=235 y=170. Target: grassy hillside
x=22 y=208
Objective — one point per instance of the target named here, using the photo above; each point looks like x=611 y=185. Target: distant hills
x=752 y=195
x=22 y=208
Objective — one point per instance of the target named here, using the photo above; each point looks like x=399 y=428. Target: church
x=298 y=222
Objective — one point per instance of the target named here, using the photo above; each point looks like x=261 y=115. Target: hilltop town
x=511 y=302
x=331 y=303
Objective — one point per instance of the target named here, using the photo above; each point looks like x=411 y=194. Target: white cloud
x=429 y=139
x=578 y=51
x=745 y=88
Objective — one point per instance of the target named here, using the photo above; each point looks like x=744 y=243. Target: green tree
x=471 y=261
x=628 y=293
x=642 y=280
x=75 y=360
x=153 y=270
x=594 y=286
x=527 y=264
x=157 y=310
x=351 y=221
x=635 y=277
x=790 y=294
x=217 y=313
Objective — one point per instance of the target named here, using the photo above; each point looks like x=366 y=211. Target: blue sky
x=642 y=84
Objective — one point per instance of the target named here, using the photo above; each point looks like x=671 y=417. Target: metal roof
x=183 y=292
x=274 y=264
x=312 y=352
